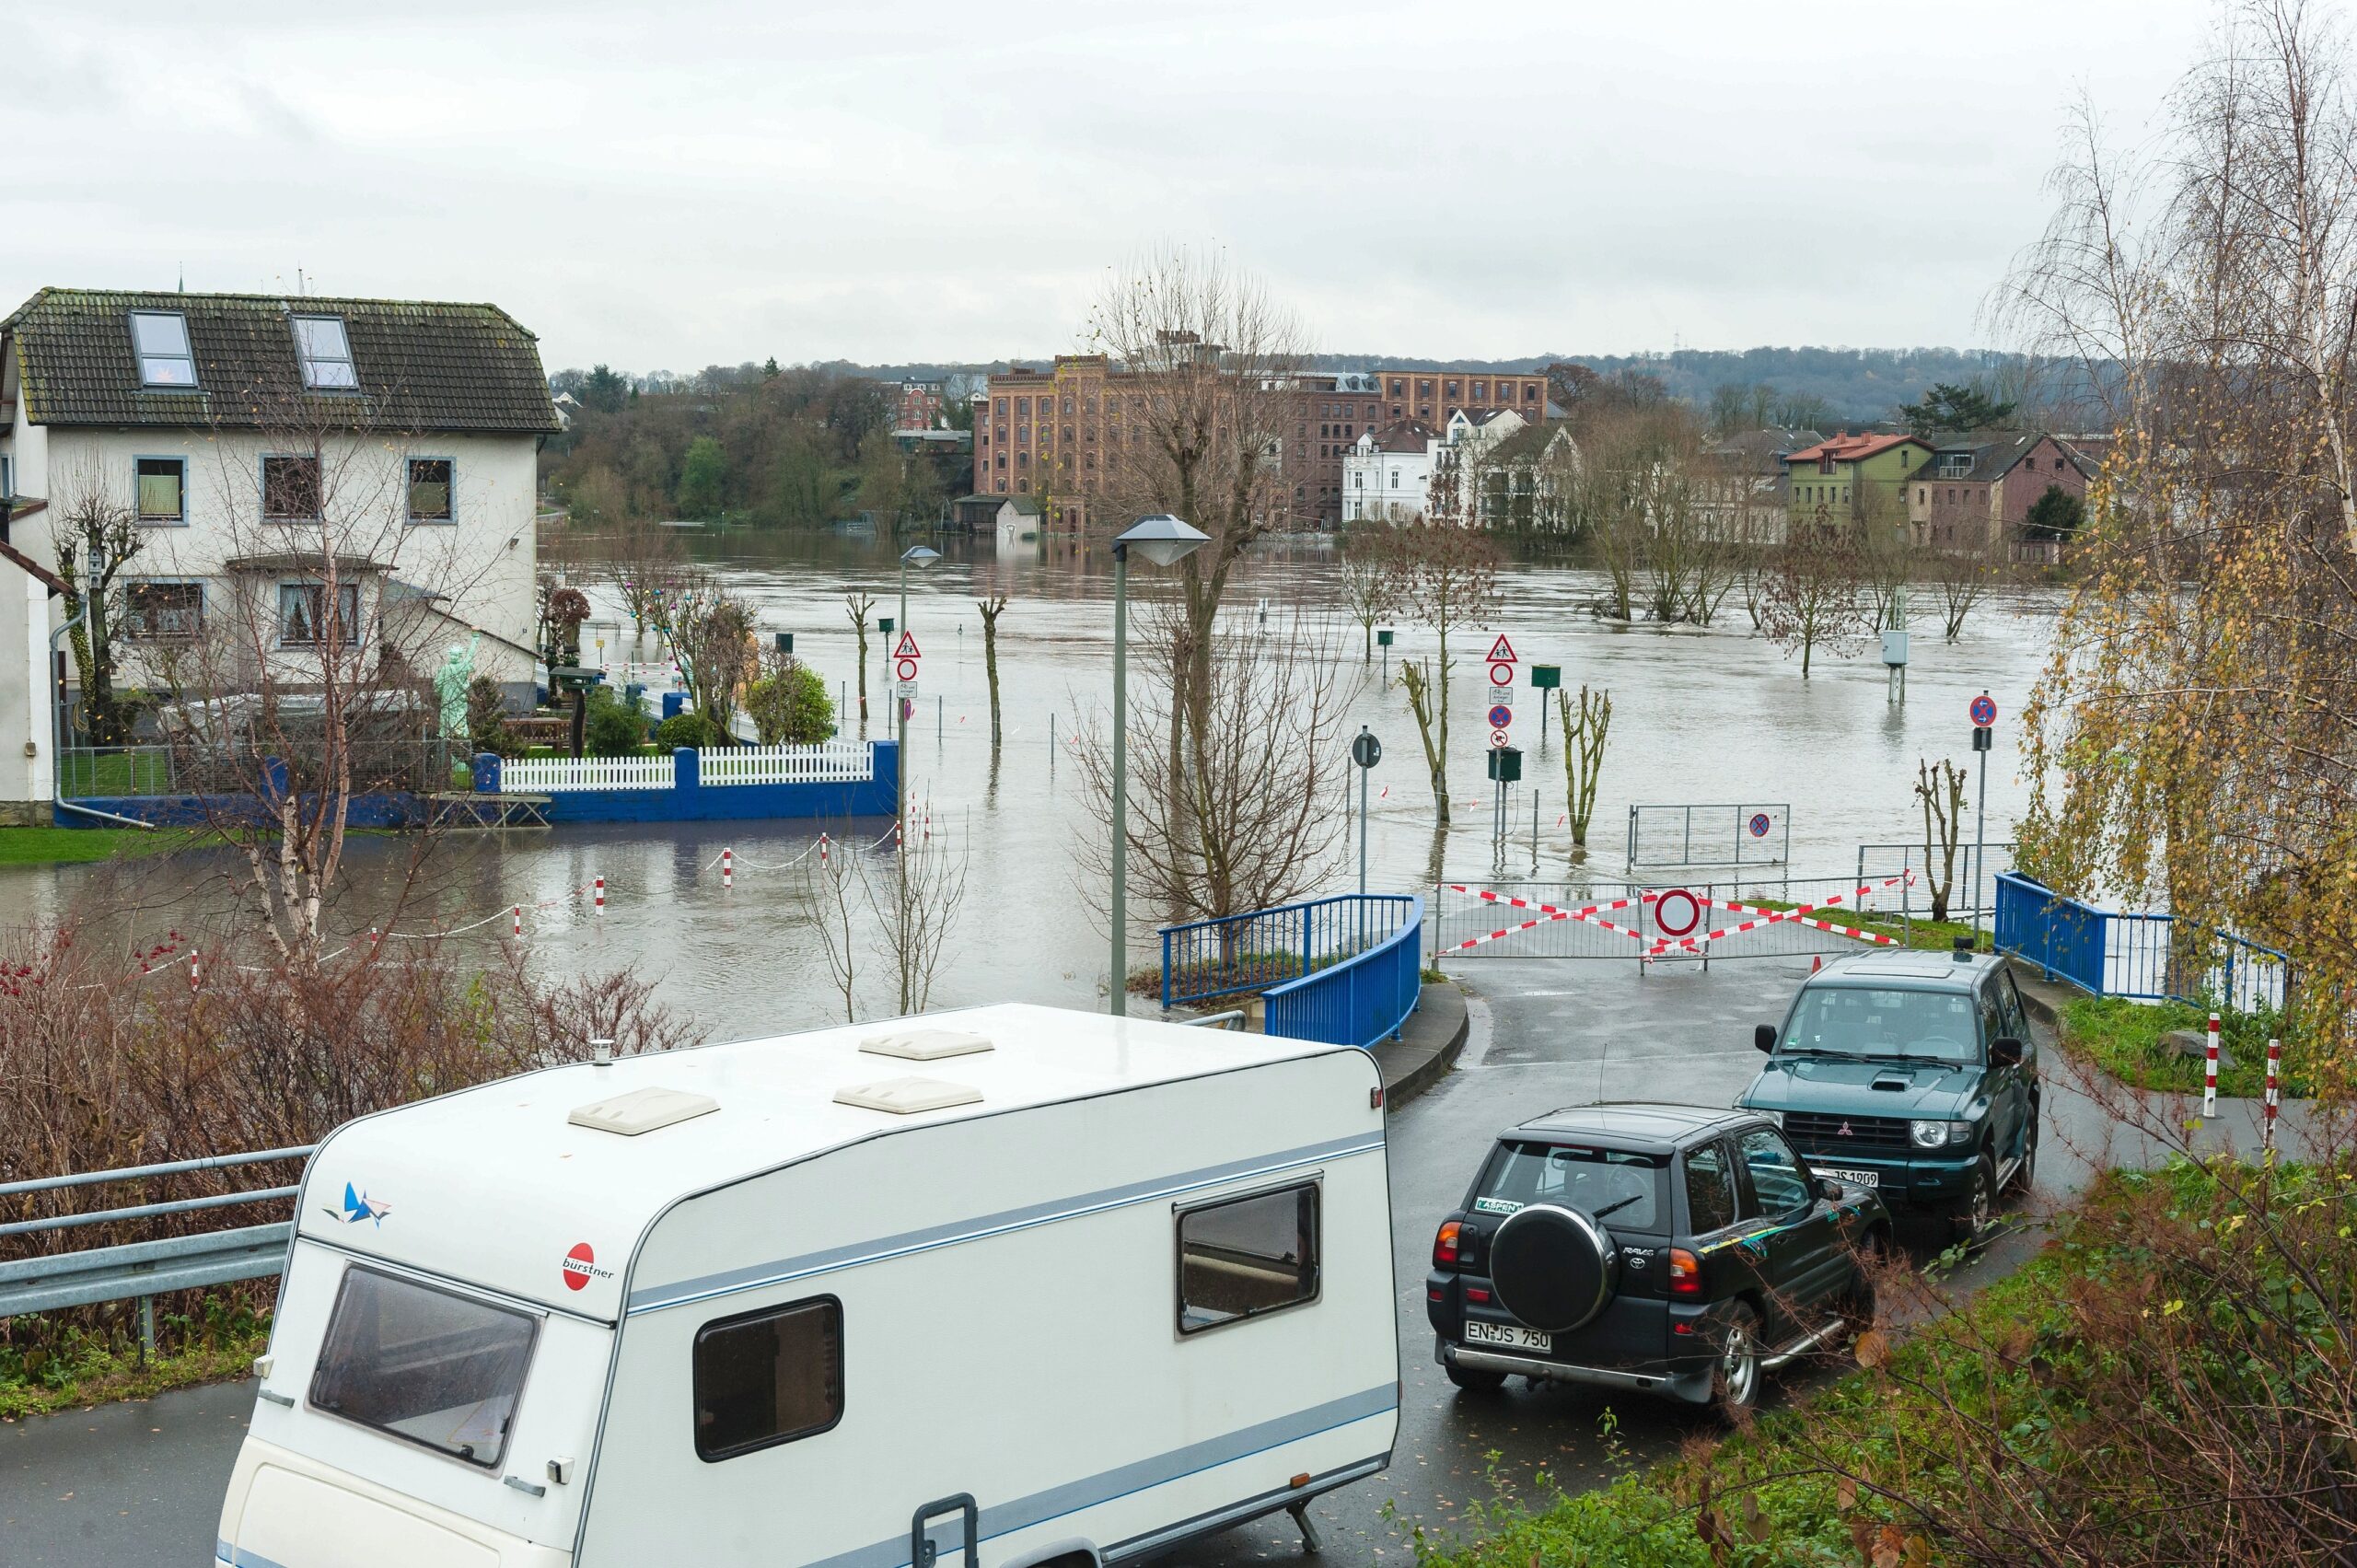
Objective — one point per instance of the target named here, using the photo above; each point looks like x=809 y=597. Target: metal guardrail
x=1245 y=953
x=2107 y=952
x=53 y=1282
x=1362 y=999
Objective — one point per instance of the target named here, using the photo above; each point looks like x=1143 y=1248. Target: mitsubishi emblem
x=1843 y=1130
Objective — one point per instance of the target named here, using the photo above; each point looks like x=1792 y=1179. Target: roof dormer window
x=160 y=338
x=326 y=354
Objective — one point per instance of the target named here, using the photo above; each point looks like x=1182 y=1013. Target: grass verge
x=52 y=846
x=45 y=1368
x=2123 y=1037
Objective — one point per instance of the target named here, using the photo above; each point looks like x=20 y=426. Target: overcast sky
x=673 y=184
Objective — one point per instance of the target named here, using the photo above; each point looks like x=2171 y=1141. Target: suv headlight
x=1939 y=1134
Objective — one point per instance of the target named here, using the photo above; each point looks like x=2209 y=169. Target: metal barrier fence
x=377 y=763
x=1616 y=918
x=1252 y=952
x=53 y=1282
x=1362 y=999
x=1881 y=860
x=2107 y=952
x=1729 y=836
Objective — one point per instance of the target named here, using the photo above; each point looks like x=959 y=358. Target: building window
x=158 y=611
x=1395 y=479
x=1480 y=391
x=325 y=352
x=160 y=340
x=1247 y=1257
x=163 y=490
x=290 y=490
x=1001 y=464
x=1023 y=408
x=768 y=1377
x=1451 y=391
x=429 y=490
x=1022 y=486
x=303 y=619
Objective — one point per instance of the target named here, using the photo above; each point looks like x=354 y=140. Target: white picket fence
x=834 y=762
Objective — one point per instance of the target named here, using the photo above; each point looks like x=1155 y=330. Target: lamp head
x=917 y=555
x=1162 y=538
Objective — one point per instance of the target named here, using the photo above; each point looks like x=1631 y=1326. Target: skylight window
x=326 y=354
x=160 y=338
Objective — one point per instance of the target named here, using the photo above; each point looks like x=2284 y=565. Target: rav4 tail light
x=1444 y=1245
x=1685 y=1273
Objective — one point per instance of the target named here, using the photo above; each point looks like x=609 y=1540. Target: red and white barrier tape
x=2209 y=1071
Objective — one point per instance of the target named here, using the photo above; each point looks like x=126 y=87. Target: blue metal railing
x=2116 y=953
x=1312 y=958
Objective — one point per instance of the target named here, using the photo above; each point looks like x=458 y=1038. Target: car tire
x=2025 y=1173
x=1473 y=1380
x=1734 y=1379
x=1970 y=1222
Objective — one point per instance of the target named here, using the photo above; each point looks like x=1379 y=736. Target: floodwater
x=1715 y=717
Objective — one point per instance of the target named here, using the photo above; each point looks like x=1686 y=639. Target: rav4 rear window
x=1619 y=1188
x=429 y=1366
x=1867 y=1022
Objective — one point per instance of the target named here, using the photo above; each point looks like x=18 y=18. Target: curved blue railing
x=1346 y=971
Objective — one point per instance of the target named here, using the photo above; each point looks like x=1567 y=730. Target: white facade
x=1380 y=485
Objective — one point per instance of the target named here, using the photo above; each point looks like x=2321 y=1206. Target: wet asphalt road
x=139 y=1485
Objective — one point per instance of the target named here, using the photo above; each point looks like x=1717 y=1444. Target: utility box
x=1383 y=637
x=786 y=642
x=1505 y=764
x=1894 y=649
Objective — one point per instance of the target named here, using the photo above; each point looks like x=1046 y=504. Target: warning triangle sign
x=908 y=648
x=1501 y=651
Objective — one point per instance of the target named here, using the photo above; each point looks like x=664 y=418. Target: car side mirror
x=2005 y=1052
x=1764 y=1037
x=1829 y=1189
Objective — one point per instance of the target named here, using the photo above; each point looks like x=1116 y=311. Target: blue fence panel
x=2110 y=953
x=1359 y=1000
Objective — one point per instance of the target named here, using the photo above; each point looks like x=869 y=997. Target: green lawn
x=45 y=846
x=2123 y=1037
x=141 y=772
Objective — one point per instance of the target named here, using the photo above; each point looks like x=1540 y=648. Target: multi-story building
x=1974 y=490
x=917 y=405
x=1386 y=477
x=1853 y=479
x=1434 y=397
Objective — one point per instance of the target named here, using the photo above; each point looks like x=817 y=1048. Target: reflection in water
x=1711 y=716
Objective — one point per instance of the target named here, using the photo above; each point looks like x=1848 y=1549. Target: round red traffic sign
x=1759 y=824
x=908 y=669
x=1502 y=675
x=1984 y=711
x=1500 y=716
x=1497 y=737
x=1677 y=913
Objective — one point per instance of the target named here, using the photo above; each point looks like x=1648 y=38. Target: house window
x=163 y=490
x=290 y=490
x=160 y=340
x=157 y=612
x=1480 y=391
x=768 y=1377
x=429 y=490
x=1247 y=1257
x=326 y=354
x=1395 y=479
x=303 y=620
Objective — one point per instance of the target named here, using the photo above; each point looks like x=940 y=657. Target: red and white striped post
x=194 y=976
x=822 y=849
x=727 y=869
x=600 y=886
x=520 y=920
x=2267 y=1115
x=2210 y=1072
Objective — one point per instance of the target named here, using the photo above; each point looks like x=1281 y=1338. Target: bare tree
x=991 y=607
x=1250 y=814
x=645 y=564
x=1961 y=577
x=857 y=605
x=1448 y=578
x=98 y=534
x=1941 y=789
x=1809 y=595
x=1584 y=729
x=832 y=888
x=711 y=633
x=920 y=912
x=1370 y=582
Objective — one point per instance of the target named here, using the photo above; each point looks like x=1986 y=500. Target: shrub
x=487 y=719
x=615 y=727
x=690 y=729
x=789 y=706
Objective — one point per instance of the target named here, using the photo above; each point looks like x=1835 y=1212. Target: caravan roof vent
x=925 y=1045
x=906 y=1096
x=641 y=1110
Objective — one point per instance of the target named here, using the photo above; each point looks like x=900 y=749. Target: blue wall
x=380 y=810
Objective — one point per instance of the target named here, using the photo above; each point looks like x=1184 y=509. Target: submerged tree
x=1810 y=594
x=1448 y=579
x=1585 y=731
x=991 y=608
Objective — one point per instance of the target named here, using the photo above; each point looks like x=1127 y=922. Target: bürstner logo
x=1842 y=1130
x=581 y=1267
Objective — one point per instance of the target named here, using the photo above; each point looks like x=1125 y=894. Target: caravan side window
x=1244 y=1257
x=768 y=1376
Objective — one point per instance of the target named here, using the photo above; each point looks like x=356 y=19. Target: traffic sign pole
x=1984 y=734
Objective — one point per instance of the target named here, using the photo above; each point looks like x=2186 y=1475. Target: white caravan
x=1006 y=1287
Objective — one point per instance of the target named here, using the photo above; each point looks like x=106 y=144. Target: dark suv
x=1913 y=1073
x=1665 y=1247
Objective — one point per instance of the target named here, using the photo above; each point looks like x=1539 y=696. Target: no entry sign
x=908 y=669
x=1502 y=662
x=1677 y=913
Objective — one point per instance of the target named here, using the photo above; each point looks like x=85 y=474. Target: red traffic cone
x=1816 y=962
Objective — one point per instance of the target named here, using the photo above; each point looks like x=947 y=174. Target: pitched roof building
x=1977 y=489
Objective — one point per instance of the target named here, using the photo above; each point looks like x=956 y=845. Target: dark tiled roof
x=1528 y=445
x=422 y=365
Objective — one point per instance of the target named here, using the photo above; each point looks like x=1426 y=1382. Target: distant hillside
x=1852 y=384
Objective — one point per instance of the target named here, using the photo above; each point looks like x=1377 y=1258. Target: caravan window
x=768 y=1377
x=1247 y=1256
x=427 y=1365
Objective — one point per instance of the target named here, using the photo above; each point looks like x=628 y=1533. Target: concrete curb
x=1427 y=1047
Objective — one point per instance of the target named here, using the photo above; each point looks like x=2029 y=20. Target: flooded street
x=1714 y=716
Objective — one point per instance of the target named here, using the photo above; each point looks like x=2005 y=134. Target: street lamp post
x=1164 y=541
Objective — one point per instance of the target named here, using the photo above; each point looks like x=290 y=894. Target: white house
x=1457 y=457
x=251 y=449
x=1386 y=477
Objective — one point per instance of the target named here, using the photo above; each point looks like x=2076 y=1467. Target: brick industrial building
x=1052 y=433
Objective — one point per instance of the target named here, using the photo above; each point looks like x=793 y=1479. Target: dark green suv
x=1912 y=1074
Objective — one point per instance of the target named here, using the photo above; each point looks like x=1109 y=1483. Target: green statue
x=450 y=683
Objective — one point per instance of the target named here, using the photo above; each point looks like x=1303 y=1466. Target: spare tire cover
x=1553 y=1268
